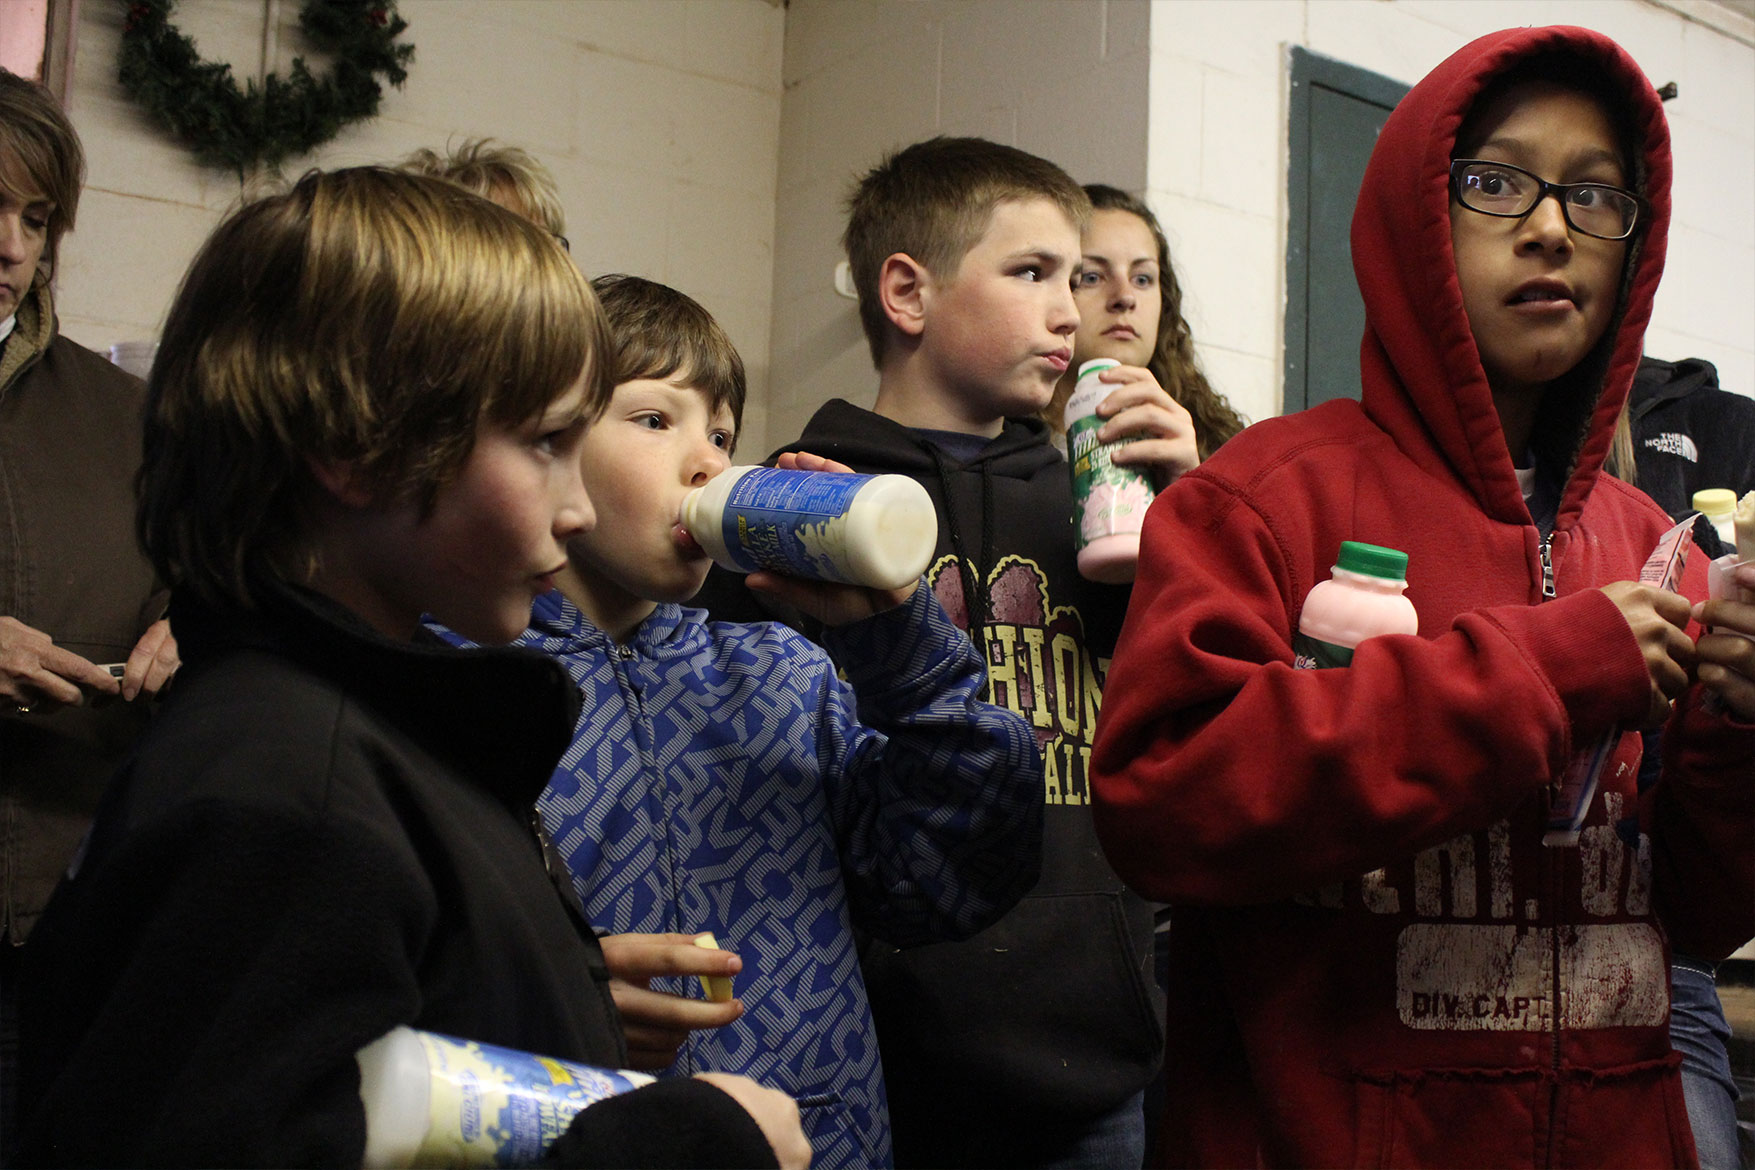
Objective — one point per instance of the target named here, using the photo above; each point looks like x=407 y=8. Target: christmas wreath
x=200 y=103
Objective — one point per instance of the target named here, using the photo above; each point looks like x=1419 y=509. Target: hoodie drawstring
x=971 y=575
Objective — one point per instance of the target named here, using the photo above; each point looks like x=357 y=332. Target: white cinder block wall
x=660 y=119
x=1217 y=157
x=1064 y=78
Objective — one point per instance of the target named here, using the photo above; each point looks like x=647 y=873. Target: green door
x=1336 y=112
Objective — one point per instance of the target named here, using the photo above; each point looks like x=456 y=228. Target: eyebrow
x=1044 y=256
x=1589 y=157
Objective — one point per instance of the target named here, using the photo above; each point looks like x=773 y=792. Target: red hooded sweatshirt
x=1376 y=961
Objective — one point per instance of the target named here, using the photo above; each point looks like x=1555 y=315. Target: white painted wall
x=1217 y=157
x=660 y=119
x=1065 y=79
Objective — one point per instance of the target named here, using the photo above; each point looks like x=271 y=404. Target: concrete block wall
x=659 y=118
x=1217 y=157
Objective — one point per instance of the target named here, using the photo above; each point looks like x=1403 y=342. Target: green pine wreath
x=201 y=105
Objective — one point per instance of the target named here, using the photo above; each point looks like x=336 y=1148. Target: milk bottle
x=873 y=530
x=435 y=1100
x=1109 y=502
x=1362 y=599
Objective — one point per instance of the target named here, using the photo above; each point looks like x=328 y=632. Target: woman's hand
x=1657 y=618
x=1726 y=654
x=36 y=674
x=829 y=602
x=1161 y=429
x=658 y=1022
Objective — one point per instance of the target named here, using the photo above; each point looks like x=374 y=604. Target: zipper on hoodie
x=1548 y=591
x=1553 y=891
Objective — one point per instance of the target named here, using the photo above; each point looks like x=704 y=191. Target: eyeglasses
x=1496 y=188
x=566 y=245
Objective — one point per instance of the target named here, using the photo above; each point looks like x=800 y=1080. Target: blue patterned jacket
x=723 y=778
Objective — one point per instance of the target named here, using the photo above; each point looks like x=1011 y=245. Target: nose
x=1125 y=295
x=707 y=460
x=574 y=515
x=1544 y=227
x=12 y=249
x=1063 y=310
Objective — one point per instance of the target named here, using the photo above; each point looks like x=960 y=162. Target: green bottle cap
x=1096 y=364
x=1373 y=560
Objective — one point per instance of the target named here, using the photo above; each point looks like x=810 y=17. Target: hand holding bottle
x=774 y=1111
x=1657 y=618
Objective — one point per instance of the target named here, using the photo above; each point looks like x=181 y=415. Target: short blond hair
x=492 y=171
x=366 y=316
x=39 y=147
x=933 y=201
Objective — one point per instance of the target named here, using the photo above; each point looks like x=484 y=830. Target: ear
x=344 y=480
x=904 y=289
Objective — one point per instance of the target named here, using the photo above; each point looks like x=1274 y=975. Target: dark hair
x=657 y=332
x=932 y=201
x=37 y=139
x=1173 y=362
x=366 y=316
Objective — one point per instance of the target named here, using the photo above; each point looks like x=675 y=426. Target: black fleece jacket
x=324 y=835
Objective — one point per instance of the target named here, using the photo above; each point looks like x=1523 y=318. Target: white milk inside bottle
x=435 y=1100
x=1363 y=598
x=1109 y=502
x=873 y=530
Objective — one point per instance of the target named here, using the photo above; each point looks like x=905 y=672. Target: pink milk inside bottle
x=1362 y=599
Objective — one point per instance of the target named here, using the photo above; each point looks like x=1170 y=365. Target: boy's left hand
x=1161 y=428
x=829 y=602
x=1726 y=655
x=657 y=1022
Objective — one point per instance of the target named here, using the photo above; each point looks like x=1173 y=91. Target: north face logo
x=1674 y=444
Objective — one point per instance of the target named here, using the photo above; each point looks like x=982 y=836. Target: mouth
x=1545 y=291
x=1059 y=359
x=543 y=582
x=685 y=540
x=1122 y=333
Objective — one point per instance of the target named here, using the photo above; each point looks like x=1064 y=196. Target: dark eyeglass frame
x=1561 y=191
x=566 y=245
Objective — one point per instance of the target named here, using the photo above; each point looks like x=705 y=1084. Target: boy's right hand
x=657 y=1022
x=1658 y=619
x=773 y=1111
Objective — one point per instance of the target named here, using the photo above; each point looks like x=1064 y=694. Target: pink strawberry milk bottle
x=1109 y=502
x=1362 y=599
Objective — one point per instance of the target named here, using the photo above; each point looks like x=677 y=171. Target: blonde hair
x=932 y=201
x=365 y=316
x=38 y=147
x=493 y=171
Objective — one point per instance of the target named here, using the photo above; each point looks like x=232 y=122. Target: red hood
x=1422 y=376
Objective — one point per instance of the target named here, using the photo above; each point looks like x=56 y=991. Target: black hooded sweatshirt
x=1688 y=434
x=1050 y=1017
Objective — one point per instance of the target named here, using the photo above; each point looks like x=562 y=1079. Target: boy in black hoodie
x=1030 y=1043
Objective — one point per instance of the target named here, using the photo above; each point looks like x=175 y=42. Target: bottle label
x=1107 y=499
x=492 y=1106
x=1314 y=654
x=791 y=522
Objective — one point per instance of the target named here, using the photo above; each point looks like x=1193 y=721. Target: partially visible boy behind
x=725 y=780
x=1028 y=1044
x=369 y=402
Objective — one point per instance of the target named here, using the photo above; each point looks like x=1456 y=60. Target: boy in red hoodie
x=1376 y=960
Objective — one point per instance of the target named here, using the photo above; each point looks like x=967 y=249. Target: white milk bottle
x=1719 y=506
x=873 y=530
x=1109 y=502
x=435 y=1100
x=1361 y=600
